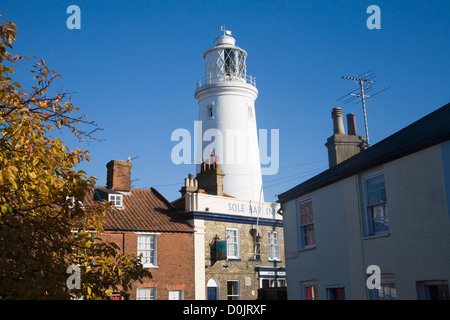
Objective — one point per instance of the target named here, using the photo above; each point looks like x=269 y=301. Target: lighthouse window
x=250 y=112
x=234 y=62
x=209 y=111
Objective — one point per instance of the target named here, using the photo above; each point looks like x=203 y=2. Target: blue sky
x=133 y=66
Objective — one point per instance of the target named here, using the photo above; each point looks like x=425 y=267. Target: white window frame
x=234 y=296
x=153 y=263
x=117 y=199
x=230 y=243
x=379 y=207
x=146 y=293
x=274 y=245
x=301 y=227
x=180 y=294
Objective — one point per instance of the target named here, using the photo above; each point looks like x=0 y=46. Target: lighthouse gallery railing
x=209 y=79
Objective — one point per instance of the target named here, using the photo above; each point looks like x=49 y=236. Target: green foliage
x=44 y=228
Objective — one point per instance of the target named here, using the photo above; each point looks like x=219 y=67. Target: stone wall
x=245 y=268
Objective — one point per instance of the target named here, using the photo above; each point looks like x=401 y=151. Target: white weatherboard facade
x=226 y=97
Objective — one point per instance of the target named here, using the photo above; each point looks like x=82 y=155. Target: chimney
x=342 y=146
x=351 y=124
x=190 y=185
x=338 y=124
x=210 y=177
x=118 y=175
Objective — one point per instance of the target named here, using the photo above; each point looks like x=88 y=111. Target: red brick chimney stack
x=118 y=175
x=210 y=177
x=351 y=124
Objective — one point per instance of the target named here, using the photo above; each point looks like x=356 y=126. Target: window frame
x=308 y=227
x=119 y=196
x=250 y=112
x=236 y=296
x=210 y=111
x=229 y=243
x=274 y=248
x=315 y=289
x=370 y=229
x=386 y=281
x=141 y=293
x=180 y=294
x=333 y=294
x=153 y=261
x=423 y=289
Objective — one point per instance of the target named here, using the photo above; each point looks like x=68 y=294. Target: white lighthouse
x=226 y=97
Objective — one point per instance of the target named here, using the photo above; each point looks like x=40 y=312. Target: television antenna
x=132 y=158
x=366 y=84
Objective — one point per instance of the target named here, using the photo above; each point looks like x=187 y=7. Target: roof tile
x=144 y=210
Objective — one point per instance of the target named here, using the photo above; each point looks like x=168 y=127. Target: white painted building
x=388 y=206
x=227 y=121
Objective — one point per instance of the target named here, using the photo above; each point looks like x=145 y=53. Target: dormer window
x=104 y=194
x=117 y=199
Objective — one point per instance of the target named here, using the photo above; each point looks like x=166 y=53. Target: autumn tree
x=45 y=231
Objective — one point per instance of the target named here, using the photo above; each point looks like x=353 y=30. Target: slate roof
x=144 y=210
x=428 y=131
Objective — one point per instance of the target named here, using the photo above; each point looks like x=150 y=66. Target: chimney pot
x=342 y=146
x=190 y=185
x=351 y=124
x=338 y=125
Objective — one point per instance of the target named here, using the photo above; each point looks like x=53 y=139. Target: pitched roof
x=144 y=210
x=428 y=131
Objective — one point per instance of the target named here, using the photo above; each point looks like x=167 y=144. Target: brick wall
x=243 y=270
x=175 y=260
x=118 y=176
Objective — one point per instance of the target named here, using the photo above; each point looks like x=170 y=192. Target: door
x=212 y=293
x=212 y=289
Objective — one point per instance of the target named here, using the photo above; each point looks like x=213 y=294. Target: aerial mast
x=365 y=85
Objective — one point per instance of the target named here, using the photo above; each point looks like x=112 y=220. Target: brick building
x=147 y=223
x=239 y=244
